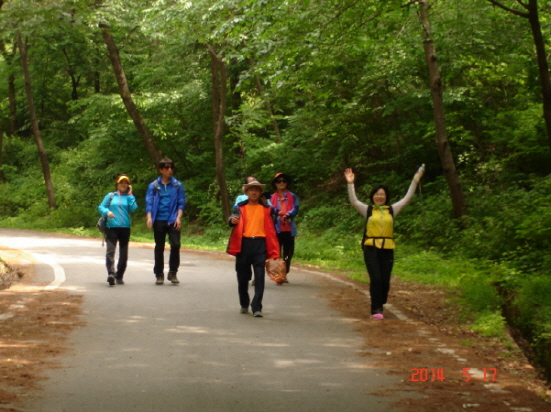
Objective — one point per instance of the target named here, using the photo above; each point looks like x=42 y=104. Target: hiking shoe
x=258 y=315
x=378 y=316
x=160 y=280
x=172 y=277
x=119 y=281
x=244 y=310
x=111 y=280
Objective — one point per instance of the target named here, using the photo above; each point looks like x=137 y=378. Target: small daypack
x=102 y=221
x=158 y=189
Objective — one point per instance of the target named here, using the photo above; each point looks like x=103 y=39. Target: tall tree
x=34 y=122
x=441 y=134
x=126 y=95
x=530 y=12
x=9 y=58
x=267 y=104
x=219 y=103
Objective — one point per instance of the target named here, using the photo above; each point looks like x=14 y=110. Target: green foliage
x=331 y=250
x=210 y=239
x=490 y=324
x=532 y=315
x=430 y=267
x=478 y=290
x=329 y=218
x=533 y=300
x=428 y=222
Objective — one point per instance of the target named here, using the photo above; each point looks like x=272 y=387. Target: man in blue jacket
x=165 y=201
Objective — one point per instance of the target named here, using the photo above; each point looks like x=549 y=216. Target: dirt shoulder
x=34 y=327
x=439 y=360
x=422 y=342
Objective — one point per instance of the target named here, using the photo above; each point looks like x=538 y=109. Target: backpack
x=369 y=213
x=102 y=221
x=157 y=188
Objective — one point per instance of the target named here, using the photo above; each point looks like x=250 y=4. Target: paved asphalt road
x=174 y=348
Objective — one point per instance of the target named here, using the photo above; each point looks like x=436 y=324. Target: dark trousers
x=120 y=235
x=379 y=267
x=161 y=229
x=253 y=254
x=287 y=245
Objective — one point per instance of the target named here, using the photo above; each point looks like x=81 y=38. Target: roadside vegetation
x=233 y=88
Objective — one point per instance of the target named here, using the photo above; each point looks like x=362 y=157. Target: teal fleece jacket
x=121 y=206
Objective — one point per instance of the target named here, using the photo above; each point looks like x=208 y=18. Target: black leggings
x=379 y=267
x=287 y=245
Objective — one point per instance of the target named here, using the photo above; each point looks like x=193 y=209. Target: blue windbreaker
x=177 y=202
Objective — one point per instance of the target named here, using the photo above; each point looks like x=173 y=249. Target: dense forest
x=229 y=88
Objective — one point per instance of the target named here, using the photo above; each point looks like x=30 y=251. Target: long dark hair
x=376 y=189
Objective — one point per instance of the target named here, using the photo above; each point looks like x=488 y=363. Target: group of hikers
x=165 y=201
x=263 y=229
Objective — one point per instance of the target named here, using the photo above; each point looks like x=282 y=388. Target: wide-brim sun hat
x=253 y=184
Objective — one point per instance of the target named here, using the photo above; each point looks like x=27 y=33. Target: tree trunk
x=219 y=100
x=126 y=96
x=75 y=80
x=235 y=106
x=97 y=78
x=2 y=176
x=11 y=84
x=34 y=123
x=267 y=105
x=441 y=134
x=543 y=66
x=11 y=101
x=532 y=15
x=13 y=106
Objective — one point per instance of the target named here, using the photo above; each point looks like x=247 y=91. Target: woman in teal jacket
x=116 y=206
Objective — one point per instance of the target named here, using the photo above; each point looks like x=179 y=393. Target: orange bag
x=277 y=270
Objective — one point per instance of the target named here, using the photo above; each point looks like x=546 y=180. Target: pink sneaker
x=378 y=316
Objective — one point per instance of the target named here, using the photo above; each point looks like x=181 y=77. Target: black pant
x=253 y=253
x=287 y=245
x=379 y=267
x=161 y=228
x=122 y=236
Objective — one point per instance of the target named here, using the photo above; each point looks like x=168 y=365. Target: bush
x=490 y=324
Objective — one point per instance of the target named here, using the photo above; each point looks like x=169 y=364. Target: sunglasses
x=281 y=181
x=168 y=167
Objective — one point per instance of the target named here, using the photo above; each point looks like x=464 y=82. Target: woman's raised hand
x=349 y=175
x=419 y=174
